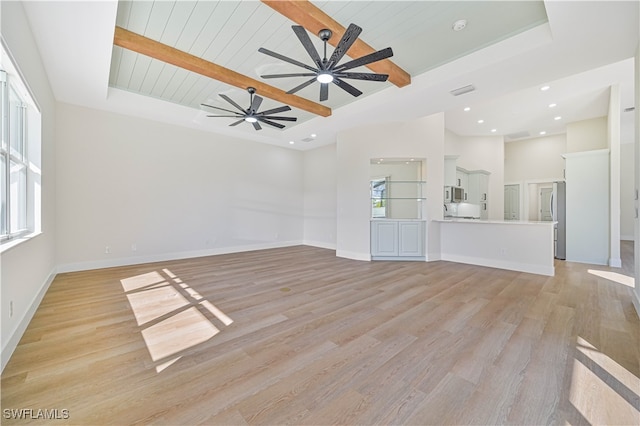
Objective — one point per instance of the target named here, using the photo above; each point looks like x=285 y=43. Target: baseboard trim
x=353 y=255
x=12 y=342
x=320 y=244
x=511 y=266
x=615 y=262
x=126 y=261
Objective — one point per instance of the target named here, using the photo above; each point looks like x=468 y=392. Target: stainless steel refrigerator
x=559 y=212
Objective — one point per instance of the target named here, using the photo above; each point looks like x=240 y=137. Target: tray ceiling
x=229 y=33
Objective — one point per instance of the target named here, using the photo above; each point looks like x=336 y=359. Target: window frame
x=20 y=176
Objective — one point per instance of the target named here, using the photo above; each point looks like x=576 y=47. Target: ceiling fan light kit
x=251 y=114
x=326 y=70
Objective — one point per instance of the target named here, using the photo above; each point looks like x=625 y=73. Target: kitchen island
x=513 y=245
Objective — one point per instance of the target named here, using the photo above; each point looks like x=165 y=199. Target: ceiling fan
x=251 y=114
x=327 y=70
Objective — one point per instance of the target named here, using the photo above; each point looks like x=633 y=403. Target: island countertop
x=483 y=221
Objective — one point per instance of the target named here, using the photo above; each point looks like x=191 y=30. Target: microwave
x=453 y=194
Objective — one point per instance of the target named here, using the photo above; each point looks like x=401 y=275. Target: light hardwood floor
x=299 y=336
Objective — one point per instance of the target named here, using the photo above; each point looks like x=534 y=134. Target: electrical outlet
x=107 y=249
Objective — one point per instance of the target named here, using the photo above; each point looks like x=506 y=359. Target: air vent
x=462 y=90
x=307 y=139
x=518 y=135
x=630 y=109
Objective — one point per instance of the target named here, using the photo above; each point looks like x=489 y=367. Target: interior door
x=545 y=204
x=512 y=202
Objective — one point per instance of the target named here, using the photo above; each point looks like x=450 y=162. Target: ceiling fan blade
x=270 y=123
x=229 y=116
x=228 y=99
x=302 y=74
x=302 y=86
x=275 y=110
x=237 y=122
x=256 y=125
x=347 y=87
x=284 y=58
x=308 y=45
x=363 y=76
x=348 y=38
x=222 y=109
x=257 y=100
x=273 y=117
x=324 y=91
x=366 y=59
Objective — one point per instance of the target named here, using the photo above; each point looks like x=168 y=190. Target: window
x=19 y=155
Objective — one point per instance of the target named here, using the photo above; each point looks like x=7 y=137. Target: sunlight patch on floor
x=614 y=276
x=173 y=317
x=601 y=389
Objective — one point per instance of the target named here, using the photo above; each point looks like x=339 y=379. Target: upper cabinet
x=478 y=191
x=462 y=180
x=450 y=171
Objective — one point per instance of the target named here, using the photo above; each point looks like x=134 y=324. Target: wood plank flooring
x=299 y=336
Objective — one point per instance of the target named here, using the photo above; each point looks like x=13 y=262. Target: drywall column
x=587 y=177
x=420 y=138
x=613 y=140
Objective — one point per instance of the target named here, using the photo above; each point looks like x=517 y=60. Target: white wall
x=320 y=186
x=481 y=153
x=28 y=268
x=420 y=138
x=153 y=191
x=535 y=159
x=587 y=135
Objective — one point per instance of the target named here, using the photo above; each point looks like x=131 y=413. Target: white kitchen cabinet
x=462 y=180
x=450 y=170
x=384 y=238
x=397 y=240
x=478 y=191
x=410 y=239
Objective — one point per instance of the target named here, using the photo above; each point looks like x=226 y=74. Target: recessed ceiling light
x=313 y=135
x=494 y=130
x=480 y=121
x=291 y=142
x=557 y=118
x=545 y=88
x=552 y=105
x=466 y=109
x=459 y=25
x=543 y=132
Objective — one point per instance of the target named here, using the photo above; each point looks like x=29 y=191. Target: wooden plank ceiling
x=188 y=52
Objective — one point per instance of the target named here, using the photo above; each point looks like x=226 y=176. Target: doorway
x=512 y=202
